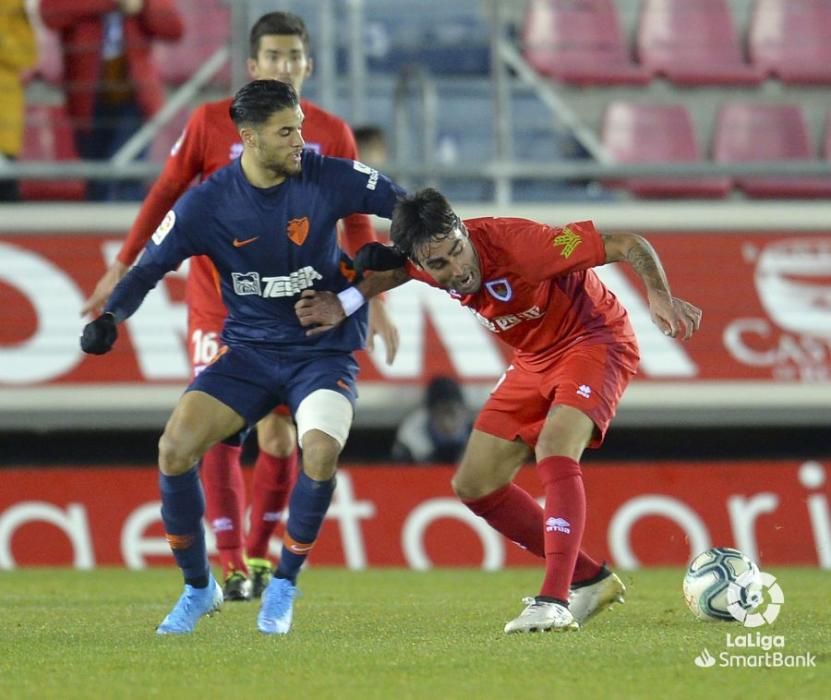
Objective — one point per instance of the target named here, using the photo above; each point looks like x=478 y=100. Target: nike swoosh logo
x=239 y=244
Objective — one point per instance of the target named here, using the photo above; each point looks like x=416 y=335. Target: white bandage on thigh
x=327 y=411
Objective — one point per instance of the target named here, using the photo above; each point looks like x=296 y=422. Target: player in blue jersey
x=268 y=223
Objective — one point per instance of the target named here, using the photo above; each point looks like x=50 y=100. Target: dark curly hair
x=420 y=219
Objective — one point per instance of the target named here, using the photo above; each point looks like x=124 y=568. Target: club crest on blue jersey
x=297 y=230
x=500 y=289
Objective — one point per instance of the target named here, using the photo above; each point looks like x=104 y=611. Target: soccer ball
x=708 y=578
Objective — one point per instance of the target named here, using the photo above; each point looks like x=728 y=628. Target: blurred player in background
x=372 y=145
x=268 y=223
x=279 y=49
x=574 y=354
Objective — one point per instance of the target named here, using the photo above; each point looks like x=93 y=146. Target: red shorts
x=204 y=343
x=590 y=378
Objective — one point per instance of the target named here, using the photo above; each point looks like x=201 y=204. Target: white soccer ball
x=708 y=578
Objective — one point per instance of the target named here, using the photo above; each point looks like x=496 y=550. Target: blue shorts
x=253 y=381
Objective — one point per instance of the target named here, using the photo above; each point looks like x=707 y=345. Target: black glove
x=379 y=257
x=99 y=335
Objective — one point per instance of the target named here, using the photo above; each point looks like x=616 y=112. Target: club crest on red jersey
x=298 y=229
x=569 y=240
x=500 y=289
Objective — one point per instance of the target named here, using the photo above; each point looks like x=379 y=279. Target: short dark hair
x=255 y=102
x=421 y=218
x=282 y=24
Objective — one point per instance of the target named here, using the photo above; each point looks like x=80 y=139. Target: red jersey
x=209 y=142
x=538 y=292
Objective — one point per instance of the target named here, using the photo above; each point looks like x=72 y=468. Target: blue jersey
x=267 y=245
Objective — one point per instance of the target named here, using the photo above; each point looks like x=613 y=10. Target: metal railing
x=413 y=83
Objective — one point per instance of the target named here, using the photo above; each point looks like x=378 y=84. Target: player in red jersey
x=279 y=49
x=574 y=354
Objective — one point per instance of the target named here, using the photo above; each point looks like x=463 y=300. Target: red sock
x=513 y=512
x=273 y=480
x=224 y=501
x=565 y=519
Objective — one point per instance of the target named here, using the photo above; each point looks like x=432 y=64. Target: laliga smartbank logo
x=755 y=599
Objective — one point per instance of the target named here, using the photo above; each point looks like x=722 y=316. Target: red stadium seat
x=207 y=27
x=792 y=39
x=579 y=41
x=657 y=133
x=48 y=136
x=747 y=132
x=692 y=42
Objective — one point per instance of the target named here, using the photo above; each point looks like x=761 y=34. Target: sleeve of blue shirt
x=172 y=242
x=358 y=188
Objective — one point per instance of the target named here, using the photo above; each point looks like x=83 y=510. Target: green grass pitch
x=390 y=634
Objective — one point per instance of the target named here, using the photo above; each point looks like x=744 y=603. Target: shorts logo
x=585 y=391
x=343 y=385
x=165 y=227
x=246 y=283
x=298 y=230
x=558 y=525
x=500 y=289
x=568 y=240
x=224 y=350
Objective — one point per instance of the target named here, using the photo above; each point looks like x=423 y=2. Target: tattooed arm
x=672 y=315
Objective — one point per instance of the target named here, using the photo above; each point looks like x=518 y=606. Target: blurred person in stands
x=574 y=354
x=437 y=431
x=268 y=222
x=18 y=52
x=111 y=82
x=279 y=48
x=372 y=145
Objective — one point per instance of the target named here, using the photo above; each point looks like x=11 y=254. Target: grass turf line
x=389 y=634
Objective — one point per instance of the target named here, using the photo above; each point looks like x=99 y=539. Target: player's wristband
x=351 y=300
